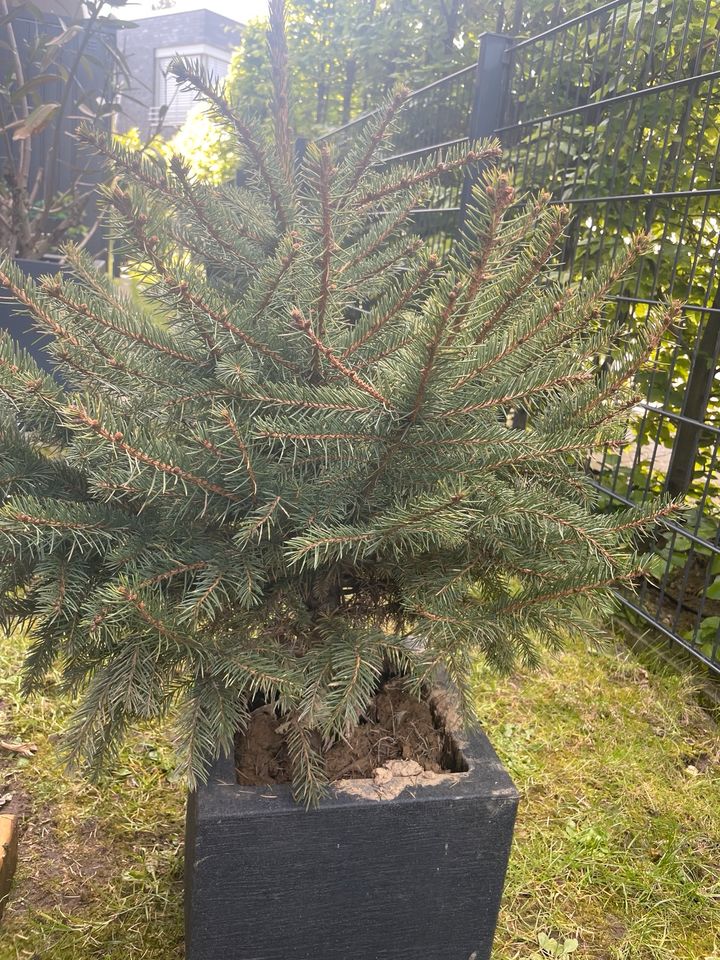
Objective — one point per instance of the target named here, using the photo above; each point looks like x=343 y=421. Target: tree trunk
x=348 y=89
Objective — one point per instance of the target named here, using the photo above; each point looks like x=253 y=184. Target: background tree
x=348 y=54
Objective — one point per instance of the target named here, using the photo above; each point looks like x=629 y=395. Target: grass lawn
x=617 y=845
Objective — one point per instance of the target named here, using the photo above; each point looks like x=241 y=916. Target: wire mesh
x=617 y=113
x=435 y=117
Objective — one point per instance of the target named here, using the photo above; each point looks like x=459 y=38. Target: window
x=168 y=93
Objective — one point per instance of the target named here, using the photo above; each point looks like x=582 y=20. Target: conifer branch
x=501 y=196
x=272 y=283
x=558 y=383
x=190 y=193
x=327 y=242
x=148 y=244
x=574 y=590
x=314 y=437
x=277 y=44
x=431 y=349
x=242 y=447
x=664 y=320
x=138 y=171
x=362 y=251
x=373 y=361
x=414 y=179
x=55 y=291
x=302 y=324
x=186 y=73
x=117 y=440
x=381 y=126
x=526 y=276
x=514 y=343
x=139 y=605
x=402 y=301
x=405 y=253
x=313 y=405
x=182 y=288
x=34 y=308
x=173 y=572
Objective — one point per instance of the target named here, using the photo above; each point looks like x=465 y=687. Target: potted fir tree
x=278 y=522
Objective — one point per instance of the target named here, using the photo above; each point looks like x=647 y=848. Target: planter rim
x=223 y=796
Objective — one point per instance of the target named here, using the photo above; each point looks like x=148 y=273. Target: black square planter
x=417 y=877
x=19 y=323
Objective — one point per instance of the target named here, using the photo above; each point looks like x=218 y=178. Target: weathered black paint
x=18 y=323
x=415 y=878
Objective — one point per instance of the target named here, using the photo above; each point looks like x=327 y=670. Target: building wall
x=215 y=34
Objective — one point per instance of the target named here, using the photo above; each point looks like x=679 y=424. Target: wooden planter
x=18 y=323
x=410 y=870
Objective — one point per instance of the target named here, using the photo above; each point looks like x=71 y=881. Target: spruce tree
x=291 y=462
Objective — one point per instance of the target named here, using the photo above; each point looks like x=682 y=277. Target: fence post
x=491 y=86
x=698 y=391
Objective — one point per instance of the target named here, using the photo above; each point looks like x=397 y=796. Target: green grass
x=617 y=845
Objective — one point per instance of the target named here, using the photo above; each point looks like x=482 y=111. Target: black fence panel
x=435 y=117
x=617 y=114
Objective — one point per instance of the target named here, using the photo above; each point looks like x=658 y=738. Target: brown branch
x=364 y=362
x=145 y=615
x=430 y=512
x=502 y=196
x=514 y=343
x=206 y=593
x=242 y=447
x=652 y=518
x=346 y=372
x=568 y=524
x=176 y=571
x=206 y=219
x=117 y=440
x=407 y=295
x=52 y=524
x=415 y=178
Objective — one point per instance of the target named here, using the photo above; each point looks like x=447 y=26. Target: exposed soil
x=395 y=727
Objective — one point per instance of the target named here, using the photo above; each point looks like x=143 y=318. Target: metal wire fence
x=617 y=113
x=435 y=117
